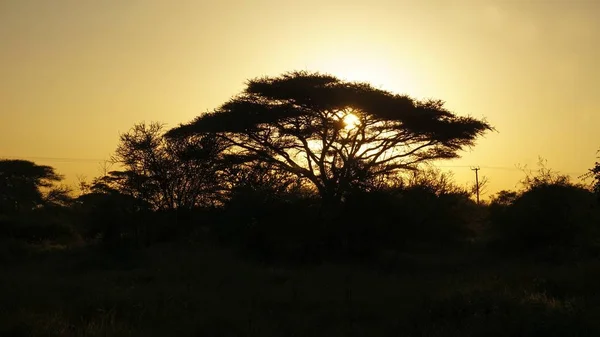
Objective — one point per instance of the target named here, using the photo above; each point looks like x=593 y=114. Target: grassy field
x=184 y=289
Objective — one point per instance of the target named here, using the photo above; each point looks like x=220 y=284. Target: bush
x=114 y=219
x=278 y=224
x=37 y=227
x=270 y=225
x=412 y=216
x=549 y=217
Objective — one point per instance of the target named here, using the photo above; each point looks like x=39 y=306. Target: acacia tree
x=22 y=183
x=335 y=134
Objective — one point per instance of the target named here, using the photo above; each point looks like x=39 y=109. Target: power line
x=57 y=159
x=503 y=168
x=98 y=160
x=485 y=167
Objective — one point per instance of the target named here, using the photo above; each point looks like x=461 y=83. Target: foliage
x=301 y=123
x=550 y=214
x=39 y=227
x=21 y=184
x=58 y=197
x=427 y=209
x=392 y=261
x=500 y=207
x=110 y=217
x=544 y=176
x=435 y=180
x=594 y=174
x=168 y=173
x=273 y=222
x=265 y=208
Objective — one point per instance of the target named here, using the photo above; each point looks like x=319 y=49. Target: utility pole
x=476 y=169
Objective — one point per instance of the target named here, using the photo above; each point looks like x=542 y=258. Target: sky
x=75 y=74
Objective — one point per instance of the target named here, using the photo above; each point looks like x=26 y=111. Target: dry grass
x=195 y=290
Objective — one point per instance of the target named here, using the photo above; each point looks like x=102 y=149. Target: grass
x=185 y=289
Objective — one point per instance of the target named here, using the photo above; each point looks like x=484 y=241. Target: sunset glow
x=71 y=82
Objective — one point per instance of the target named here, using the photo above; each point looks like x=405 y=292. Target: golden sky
x=74 y=74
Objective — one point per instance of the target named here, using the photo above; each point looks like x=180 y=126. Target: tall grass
x=198 y=290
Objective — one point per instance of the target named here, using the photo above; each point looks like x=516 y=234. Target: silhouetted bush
x=594 y=174
x=498 y=209
x=267 y=218
x=37 y=227
x=112 y=218
x=407 y=217
x=271 y=225
x=555 y=217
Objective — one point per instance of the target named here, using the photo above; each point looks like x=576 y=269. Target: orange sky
x=74 y=74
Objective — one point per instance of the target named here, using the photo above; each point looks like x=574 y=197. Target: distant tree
x=110 y=183
x=505 y=198
x=543 y=176
x=337 y=135
x=594 y=174
x=58 y=196
x=481 y=186
x=22 y=183
x=435 y=180
x=168 y=173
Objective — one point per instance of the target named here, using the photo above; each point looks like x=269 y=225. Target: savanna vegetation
x=304 y=206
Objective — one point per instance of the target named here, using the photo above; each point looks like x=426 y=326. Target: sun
x=351 y=121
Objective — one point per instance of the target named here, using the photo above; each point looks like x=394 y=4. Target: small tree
x=168 y=173
x=544 y=176
x=58 y=196
x=337 y=135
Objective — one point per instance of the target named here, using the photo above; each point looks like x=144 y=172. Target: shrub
x=552 y=217
x=37 y=227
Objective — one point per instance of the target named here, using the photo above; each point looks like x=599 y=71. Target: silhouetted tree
x=338 y=135
x=543 y=176
x=168 y=173
x=435 y=180
x=594 y=173
x=21 y=184
x=504 y=198
x=58 y=198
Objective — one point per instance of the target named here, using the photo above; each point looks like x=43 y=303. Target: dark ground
x=192 y=289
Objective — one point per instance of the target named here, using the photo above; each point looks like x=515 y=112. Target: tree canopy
x=336 y=134
x=166 y=173
x=21 y=182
